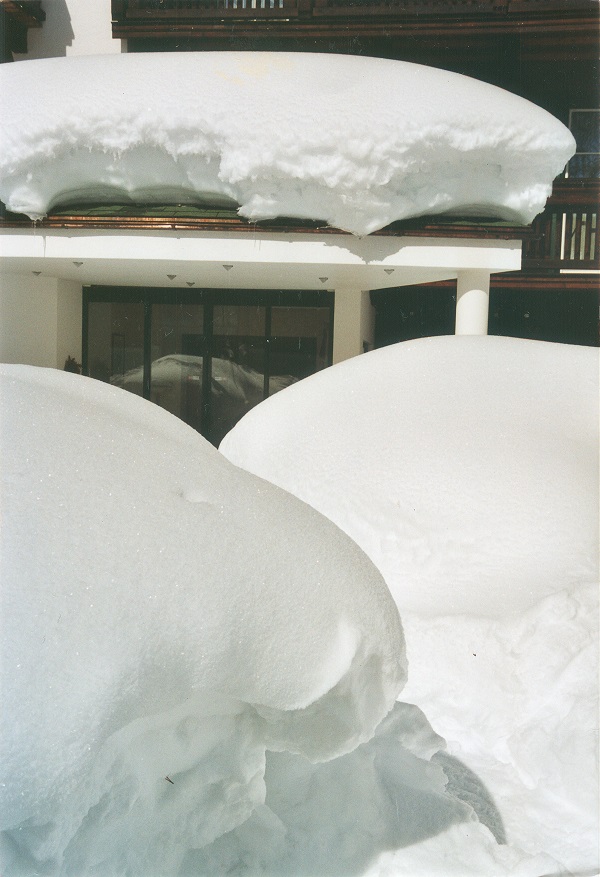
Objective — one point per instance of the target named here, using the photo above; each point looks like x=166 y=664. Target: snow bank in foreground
x=164 y=615
x=356 y=142
x=467 y=468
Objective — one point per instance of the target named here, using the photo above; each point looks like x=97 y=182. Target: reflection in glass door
x=206 y=356
x=298 y=344
x=237 y=366
x=177 y=360
x=116 y=345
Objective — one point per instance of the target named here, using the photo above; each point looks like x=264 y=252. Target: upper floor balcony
x=193 y=18
x=565 y=237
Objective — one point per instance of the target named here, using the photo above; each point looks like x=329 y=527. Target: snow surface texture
x=164 y=615
x=467 y=469
x=356 y=142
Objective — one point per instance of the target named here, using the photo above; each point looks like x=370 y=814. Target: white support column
x=353 y=323
x=472 y=302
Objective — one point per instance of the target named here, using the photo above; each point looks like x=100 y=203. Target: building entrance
x=207 y=356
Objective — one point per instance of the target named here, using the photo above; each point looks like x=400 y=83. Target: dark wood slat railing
x=135 y=11
x=566 y=235
x=159 y=10
x=410 y=7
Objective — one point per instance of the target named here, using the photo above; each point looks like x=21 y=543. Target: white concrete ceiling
x=241 y=260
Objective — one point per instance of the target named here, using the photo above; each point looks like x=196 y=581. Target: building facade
x=181 y=306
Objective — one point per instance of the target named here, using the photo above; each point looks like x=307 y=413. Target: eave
x=162 y=219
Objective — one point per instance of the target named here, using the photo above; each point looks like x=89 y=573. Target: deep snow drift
x=168 y=617
x=356 y=142
x=164 y=614
x=467 y=469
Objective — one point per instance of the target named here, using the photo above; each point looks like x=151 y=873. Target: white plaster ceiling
x=268 y=261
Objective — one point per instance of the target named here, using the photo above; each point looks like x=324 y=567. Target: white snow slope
x=189 y=655
x=467 y=469
x=356 y=142
x=163 y=614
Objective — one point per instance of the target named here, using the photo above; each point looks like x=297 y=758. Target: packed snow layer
x=383 y=810
x=356 y=142
x=467 y=468
x=166 y=619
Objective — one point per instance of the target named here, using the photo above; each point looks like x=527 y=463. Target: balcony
x=195 y=18
x=564 y=238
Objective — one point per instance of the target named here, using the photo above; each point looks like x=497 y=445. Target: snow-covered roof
x=356 y=142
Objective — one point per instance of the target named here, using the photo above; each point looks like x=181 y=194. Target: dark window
x=585 y=127
x=569 y=316
x=206 y=356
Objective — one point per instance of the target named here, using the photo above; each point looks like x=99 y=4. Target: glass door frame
x=209 y=299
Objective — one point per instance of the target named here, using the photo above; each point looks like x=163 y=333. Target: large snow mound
x=356 y=142
x=467 y=468
x=164 y=615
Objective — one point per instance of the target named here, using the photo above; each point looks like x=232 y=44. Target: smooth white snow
x=467 y=469
x=164 y=614
x=356 y=142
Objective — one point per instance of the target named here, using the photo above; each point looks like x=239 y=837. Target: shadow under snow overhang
x=253 y=257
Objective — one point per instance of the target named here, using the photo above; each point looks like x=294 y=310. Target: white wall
x=72 y=27
x=40 y=320
x=353 y=324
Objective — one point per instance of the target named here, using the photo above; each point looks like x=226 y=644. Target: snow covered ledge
x=352 y=141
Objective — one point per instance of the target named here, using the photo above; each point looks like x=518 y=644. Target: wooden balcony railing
x=182 y=11
x=566 y=236
x=159 y=18
x=129 y=14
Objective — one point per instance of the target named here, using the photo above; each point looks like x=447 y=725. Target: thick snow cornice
x=356 y=142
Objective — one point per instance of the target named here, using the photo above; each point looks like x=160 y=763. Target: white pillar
x=472 y=302
x=353 y=323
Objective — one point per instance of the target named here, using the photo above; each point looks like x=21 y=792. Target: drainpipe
x=472 y=302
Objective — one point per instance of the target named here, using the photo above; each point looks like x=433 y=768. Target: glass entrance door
x=178 y=349
x=206 y=356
